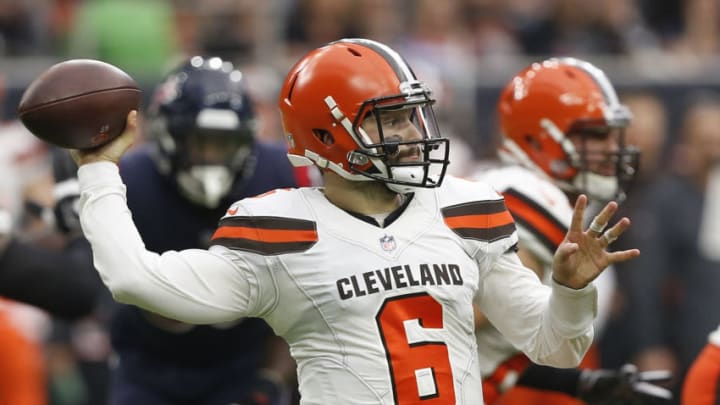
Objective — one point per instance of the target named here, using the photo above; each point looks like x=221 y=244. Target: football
x=79 y=103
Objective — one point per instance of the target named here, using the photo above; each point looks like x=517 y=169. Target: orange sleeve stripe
x=266 y=235
x=541 y=223
x=482 y=221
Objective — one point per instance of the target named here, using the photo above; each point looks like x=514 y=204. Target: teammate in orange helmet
x=562 y=129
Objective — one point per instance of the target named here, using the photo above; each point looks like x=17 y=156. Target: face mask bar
x=386 y=154
x=622 y=165
x=432 y=168
x=212 y=147
x=208 y=161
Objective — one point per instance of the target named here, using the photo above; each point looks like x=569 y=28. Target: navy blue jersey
x=167 y=221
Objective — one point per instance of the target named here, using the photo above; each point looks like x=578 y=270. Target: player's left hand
x=583 y=254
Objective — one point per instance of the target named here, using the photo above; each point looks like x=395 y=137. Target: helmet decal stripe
x=398 y=64
x=598 y=76
x=617 y=114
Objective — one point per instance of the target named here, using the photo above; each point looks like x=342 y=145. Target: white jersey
x=372 y=315
x=542 y=214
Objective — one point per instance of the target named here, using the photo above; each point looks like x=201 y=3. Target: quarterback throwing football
x=371 y=278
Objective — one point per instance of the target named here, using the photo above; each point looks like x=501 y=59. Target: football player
x=202 y=155
x=371 y=278
x=562 y=129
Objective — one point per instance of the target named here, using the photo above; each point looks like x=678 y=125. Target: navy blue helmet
x=203 y=123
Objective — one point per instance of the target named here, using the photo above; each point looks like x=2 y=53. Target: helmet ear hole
x=324 y=136
x=532 y=142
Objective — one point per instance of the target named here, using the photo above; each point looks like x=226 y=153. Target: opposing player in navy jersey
x=371 y=278
x=201 y=157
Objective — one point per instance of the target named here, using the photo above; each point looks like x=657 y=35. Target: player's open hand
x=113 y=150
x=583 y=254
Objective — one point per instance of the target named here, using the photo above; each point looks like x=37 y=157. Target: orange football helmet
x=333 y=89
x=549 y=102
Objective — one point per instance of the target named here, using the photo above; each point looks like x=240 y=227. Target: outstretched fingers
x=601 y=220
x=578 y=213
x=613 y=233
x=623 y=255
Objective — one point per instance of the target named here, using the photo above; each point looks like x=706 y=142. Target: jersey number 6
x=419 y=366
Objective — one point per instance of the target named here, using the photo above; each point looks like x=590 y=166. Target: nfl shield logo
x=387 y=243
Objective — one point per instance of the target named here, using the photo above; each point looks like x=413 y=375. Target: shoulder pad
x=273 y=223
x=473 y=210
x=541 y=210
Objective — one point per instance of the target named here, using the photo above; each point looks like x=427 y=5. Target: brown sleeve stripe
x=266 y=235
x=474 y=208
x=269 y=223
x=481 y=220
x=548 y=229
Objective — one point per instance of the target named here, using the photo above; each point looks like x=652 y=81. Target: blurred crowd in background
x=465 y=48
x=662 y=56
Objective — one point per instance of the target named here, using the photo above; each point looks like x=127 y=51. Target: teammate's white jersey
x=372 y=315
x=542 y=214
x=714 y=337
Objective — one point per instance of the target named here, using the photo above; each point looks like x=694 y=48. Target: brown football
x=79 y=103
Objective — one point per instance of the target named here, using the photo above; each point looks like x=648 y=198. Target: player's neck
x=362 y=197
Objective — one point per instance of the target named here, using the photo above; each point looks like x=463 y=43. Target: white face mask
x=205 y=185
